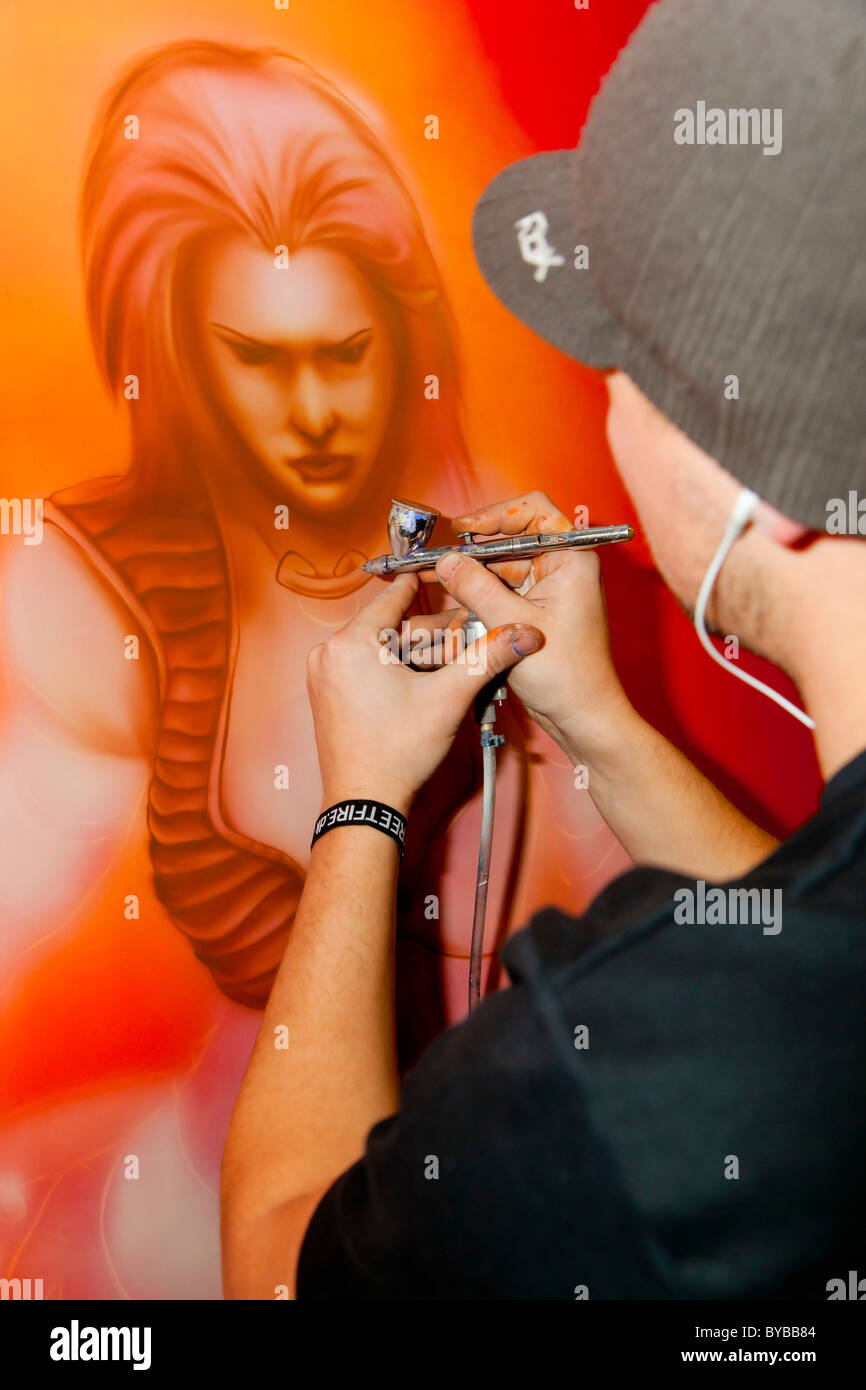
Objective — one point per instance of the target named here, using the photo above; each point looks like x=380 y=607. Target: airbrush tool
x=410 y=527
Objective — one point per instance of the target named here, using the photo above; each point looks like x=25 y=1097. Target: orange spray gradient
x=104 y=996
x=103 y=1000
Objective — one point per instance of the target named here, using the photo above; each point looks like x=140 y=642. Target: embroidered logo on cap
x=534 y=246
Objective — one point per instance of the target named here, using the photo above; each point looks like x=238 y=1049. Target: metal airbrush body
x=410 y=526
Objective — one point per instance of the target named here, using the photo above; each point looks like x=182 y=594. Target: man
x=668 y=1101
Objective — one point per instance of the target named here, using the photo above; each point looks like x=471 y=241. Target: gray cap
x=718 y=191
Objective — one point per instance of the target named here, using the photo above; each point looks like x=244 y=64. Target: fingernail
x=448 y=564
x=525 y=640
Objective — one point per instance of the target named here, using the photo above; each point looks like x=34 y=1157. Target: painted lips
x=321 y=468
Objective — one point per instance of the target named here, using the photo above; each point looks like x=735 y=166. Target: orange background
x=103 y=999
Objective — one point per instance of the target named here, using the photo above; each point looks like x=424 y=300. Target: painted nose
x=311 y=415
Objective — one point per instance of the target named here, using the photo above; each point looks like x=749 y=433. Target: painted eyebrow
x=261 y=342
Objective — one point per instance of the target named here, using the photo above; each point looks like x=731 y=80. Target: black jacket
x=658 y=1107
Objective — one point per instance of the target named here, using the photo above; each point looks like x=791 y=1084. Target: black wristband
x=375 y=813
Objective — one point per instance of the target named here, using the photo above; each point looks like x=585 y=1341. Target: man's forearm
x=660 y=807
x=324 y=1067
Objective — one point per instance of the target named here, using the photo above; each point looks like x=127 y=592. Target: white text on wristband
x=373 y=813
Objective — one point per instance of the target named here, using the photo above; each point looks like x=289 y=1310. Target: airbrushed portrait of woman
x=265 y=308
x=261 y=294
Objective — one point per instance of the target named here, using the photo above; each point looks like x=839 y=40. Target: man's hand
x=662 y=810
x=571 y=688
x=381 y=728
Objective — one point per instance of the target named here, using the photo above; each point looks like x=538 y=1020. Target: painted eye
x=253 y=354
x=349 y=353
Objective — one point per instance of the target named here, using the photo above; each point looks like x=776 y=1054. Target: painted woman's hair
x=199 y=138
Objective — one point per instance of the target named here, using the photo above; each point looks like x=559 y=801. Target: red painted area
x=549 y=62
x=550 y=58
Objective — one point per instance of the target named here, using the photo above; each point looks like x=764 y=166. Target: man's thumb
x=498 y=651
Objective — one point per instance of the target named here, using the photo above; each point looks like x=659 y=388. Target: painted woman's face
x=302 y=361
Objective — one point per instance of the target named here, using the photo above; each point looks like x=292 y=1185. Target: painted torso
x=235 y=786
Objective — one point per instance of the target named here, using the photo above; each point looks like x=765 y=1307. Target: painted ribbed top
x=233 y=898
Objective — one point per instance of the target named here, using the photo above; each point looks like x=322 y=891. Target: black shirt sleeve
x=709 y=1142
x=490 y=1182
